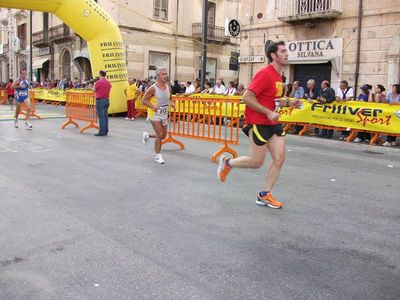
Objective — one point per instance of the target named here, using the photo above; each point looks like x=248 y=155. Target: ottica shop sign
x=315 y=49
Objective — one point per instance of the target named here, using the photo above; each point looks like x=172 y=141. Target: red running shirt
x=267 y=86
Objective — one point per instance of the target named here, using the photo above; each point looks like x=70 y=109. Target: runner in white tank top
x=158 y=115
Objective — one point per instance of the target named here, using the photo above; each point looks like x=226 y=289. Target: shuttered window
x=161 y=10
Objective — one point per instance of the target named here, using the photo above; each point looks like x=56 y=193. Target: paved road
x=86 y=217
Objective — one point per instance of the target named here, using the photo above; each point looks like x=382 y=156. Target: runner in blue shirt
x=21 y=85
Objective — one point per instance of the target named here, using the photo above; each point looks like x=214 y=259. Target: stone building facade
x=322 y=38
x=155 y=33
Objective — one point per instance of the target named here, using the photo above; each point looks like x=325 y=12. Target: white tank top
x=162 y=96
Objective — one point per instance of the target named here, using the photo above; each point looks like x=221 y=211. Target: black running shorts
x=262 y=133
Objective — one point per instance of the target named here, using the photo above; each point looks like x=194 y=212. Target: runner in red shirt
x=263 y=129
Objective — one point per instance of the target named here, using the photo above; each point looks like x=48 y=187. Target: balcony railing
x=214 y=33
x=40 y=39
x=60 y=33
x=297 y=10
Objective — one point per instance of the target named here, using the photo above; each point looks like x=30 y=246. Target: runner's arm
x=249 y=98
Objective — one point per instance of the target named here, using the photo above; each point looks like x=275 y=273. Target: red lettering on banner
x=286 y=112
x=365 y=119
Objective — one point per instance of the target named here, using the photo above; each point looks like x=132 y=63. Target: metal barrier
x=3 y=96
x=81 y=106
x=207 y=119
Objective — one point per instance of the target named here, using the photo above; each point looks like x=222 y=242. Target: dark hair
x=176 y=81
x=102 y=73
x=397 y=86
x=273 y=48
x=208 y=83
x=10 y=80
x=366 y=87
x=381 y=87
x=345 y=82
x=188 y=82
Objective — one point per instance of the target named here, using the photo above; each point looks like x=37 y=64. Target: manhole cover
x=372 y=152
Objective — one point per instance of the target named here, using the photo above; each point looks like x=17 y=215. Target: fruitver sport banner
x=367 y=116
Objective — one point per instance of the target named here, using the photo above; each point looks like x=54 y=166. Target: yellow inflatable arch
x=102 y=34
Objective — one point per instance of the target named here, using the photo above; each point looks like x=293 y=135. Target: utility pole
x=30 y=47
x=204 y=42
x=11 y=38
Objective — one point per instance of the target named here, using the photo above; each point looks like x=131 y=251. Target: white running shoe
x=28 y=126
x=16 y=124
x=387 y=144
x=159 y=159
x=357 y=140
x=145 y=137
x=394 y=144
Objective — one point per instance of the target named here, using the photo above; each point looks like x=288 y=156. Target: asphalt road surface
x=86 y=217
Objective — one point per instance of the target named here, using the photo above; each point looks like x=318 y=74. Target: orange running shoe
x=268 y=200
x=223 y=169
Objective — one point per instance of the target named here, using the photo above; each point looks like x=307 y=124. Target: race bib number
x=163 y=110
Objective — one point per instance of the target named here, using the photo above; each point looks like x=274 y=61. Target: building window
x=211 y=69
x=160 y=10
x=22 y=36
x=158 y=60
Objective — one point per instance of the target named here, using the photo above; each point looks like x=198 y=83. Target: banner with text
x=367 y=116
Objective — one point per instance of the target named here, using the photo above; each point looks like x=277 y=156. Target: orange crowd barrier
x=206 y=119
x=33 y=106
x=307 y=129
x=81 y=106
x=3 y=96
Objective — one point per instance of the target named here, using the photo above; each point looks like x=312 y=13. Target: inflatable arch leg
x=102 y=34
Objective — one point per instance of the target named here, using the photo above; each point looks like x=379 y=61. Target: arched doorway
x=65 y=62
x=84 y=67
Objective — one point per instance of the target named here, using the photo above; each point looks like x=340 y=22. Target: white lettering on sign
x=251 y=59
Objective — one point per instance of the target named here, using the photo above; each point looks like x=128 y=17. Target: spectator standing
x=297 y=91
x=131 y=93
x=231 y=90
x=189 y=88
x=363 y=96
x=10 y=91
x=219 y=88
x=240 y=89
x=326 y=95
x=102 y=89
x=378 y=95
x=393 y=98
x=176 y=88
x=207 y=88
x=344 y=93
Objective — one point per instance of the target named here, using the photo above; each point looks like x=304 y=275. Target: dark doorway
x=318 y=72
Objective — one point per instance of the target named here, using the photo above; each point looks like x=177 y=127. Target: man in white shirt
x=189 y=88
x=344 y=92
x=219 y=89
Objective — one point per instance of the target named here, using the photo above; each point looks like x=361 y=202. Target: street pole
x=204 y=42
x=30 y=47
